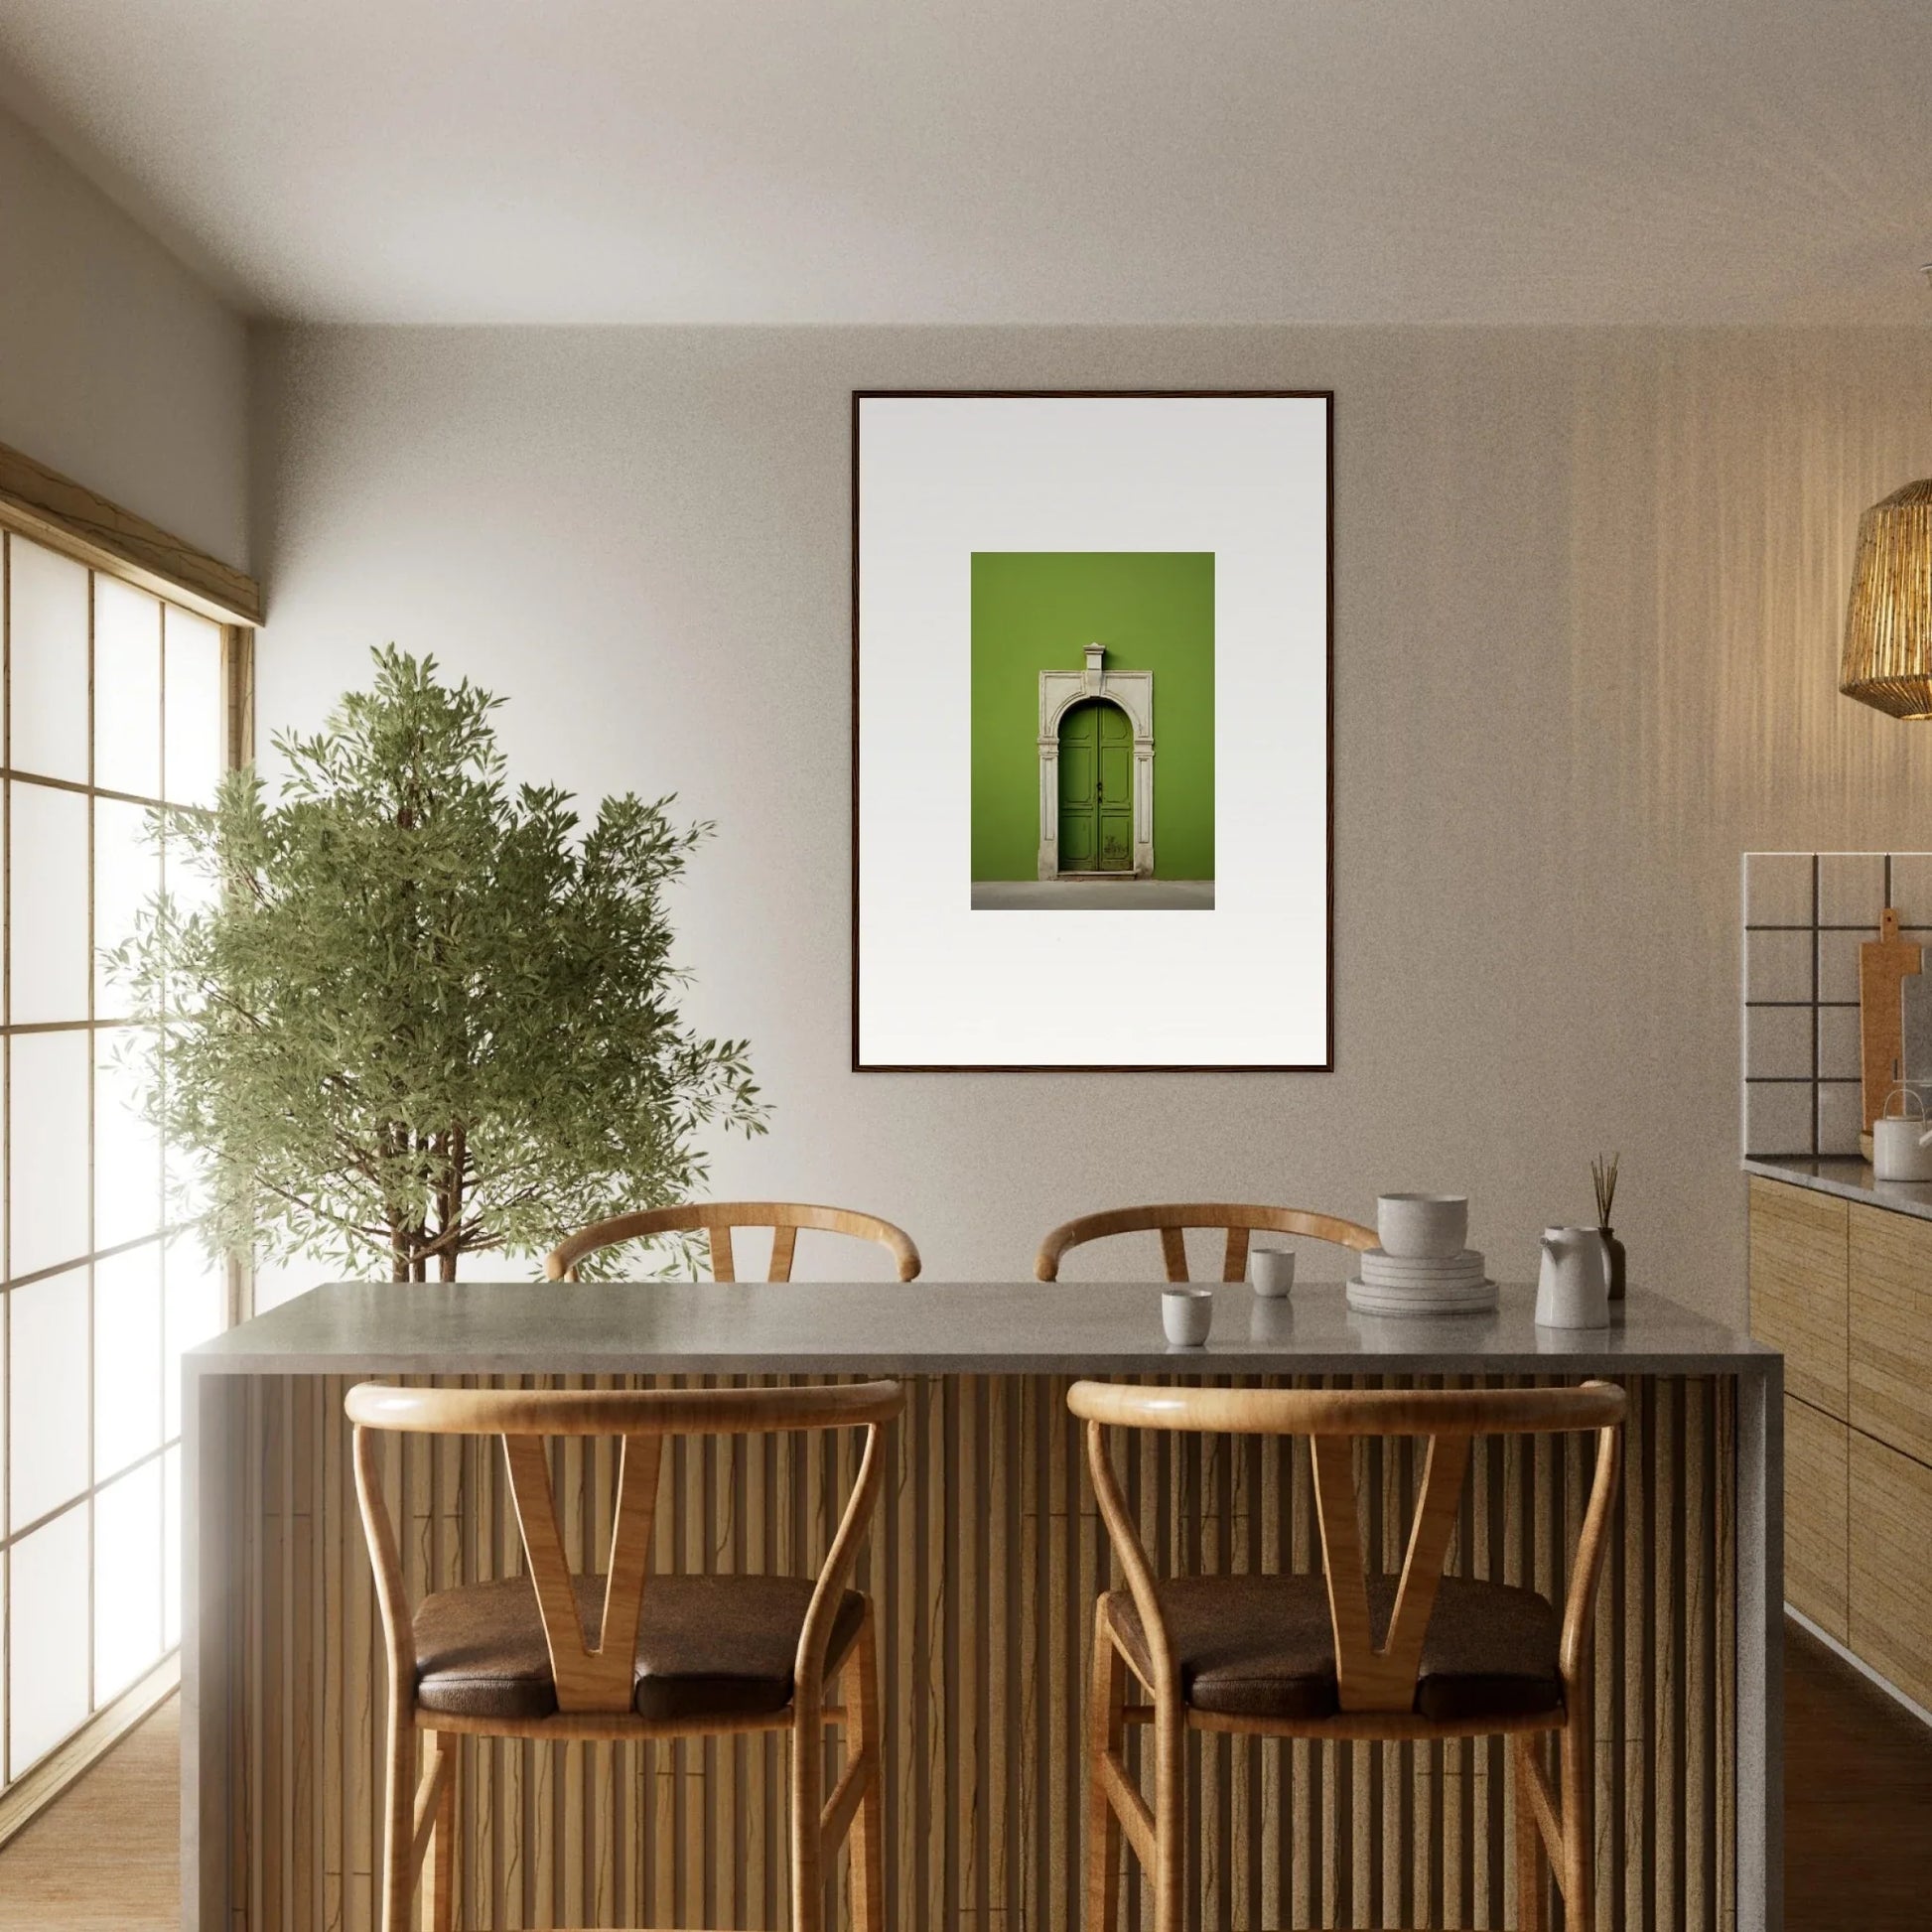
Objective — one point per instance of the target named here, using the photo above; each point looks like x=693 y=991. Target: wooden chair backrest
x=717 y=1218
x=1174 y=1218
x=1370 y=1676
x=597 y=1676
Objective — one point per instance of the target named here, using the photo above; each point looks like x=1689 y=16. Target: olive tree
x=403 y=1011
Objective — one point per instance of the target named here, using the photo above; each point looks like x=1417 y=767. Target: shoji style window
x=116 y=699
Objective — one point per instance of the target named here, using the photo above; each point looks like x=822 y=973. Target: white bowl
x=1416 y=1225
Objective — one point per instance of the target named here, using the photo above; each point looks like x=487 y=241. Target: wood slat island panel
x=985 y=1558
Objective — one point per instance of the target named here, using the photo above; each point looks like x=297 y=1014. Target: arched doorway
x=1125 y=698
x=1096 y=817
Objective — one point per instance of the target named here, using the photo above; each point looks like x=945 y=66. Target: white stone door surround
x=1060 y=692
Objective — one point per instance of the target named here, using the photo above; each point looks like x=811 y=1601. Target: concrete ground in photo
x=1093 y=896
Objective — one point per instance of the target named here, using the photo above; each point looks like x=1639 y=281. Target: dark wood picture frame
x=1324 y=396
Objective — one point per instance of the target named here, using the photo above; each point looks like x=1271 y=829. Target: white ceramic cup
x=1415 y=1226
x=1272 y=1270
x=1186 y=1313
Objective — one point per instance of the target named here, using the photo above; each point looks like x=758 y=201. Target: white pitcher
x=1573 y=1289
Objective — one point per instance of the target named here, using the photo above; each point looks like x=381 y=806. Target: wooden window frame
x=47 y=508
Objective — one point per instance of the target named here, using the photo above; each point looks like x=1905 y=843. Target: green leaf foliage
x=414 y=1013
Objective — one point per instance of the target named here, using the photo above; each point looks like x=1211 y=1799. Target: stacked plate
x=1422 y=1283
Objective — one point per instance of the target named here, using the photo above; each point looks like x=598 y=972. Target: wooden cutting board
x=1885 y=964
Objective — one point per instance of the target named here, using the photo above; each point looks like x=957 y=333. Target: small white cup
x=1186 y=1313
x=1272 y=1270
x=1423 y=1226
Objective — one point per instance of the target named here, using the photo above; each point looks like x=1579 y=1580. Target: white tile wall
x=1838 y=1044
x=1806 y=914
x=1911 y=888
x=1837 y=963
x=1779 y=888
x=1779 y=1042
x=1850 y=887
x=1777 y=966
x=1778 y=1117
x=1841 y=1116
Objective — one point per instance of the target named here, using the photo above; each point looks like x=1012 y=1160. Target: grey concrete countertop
x=930 y=1328
x=1850 y=1179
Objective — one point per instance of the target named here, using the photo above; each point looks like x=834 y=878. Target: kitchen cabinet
x=1841 y=1280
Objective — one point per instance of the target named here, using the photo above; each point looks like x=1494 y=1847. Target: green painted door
x=1096 y=789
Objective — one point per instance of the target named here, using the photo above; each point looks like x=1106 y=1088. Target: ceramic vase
x=1613 y=1261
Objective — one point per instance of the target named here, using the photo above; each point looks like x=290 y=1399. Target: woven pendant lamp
x=1887 y=658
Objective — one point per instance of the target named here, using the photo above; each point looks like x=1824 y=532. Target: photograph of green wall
x=1093 y=730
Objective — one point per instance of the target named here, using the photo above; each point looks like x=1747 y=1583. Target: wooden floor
x=1858 y=1820
x=1858 y=1804
x=108 y=1854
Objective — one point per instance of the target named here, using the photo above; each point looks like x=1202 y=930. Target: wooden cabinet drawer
x=1798 y=1288
x=1892 y=1330
x=1891 y=1577
x=1817 y=1508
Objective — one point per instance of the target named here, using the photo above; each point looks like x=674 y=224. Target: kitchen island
x=985 y=1558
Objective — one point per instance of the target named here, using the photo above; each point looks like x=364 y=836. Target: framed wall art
x=1092 y=731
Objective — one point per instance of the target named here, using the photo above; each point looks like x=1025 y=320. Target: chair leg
x=1169 y=1811
x=807 y=1801
x=439 y=1900
x=865 y=1738
x=1106 y=1732
x=399 y=1816
x=1531 y=1884
x=1576 y=1752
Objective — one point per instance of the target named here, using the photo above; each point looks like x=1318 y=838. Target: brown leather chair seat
x=707 y=1646
x=1253 y=1646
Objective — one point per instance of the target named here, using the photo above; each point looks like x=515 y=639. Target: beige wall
x=117 y=366
x=1589 y=589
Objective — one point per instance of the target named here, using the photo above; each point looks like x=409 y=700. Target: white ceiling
x=995 y=160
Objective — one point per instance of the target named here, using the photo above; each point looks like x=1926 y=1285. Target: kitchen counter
x=930 y=1328
x=1839 y=1271
x=1849 y=1178
x=985 y=1558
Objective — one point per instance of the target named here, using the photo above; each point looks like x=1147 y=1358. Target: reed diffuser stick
x=1602 y=1174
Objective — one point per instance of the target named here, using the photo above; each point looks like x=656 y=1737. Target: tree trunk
x=401 y=1262
x=449 y=1201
